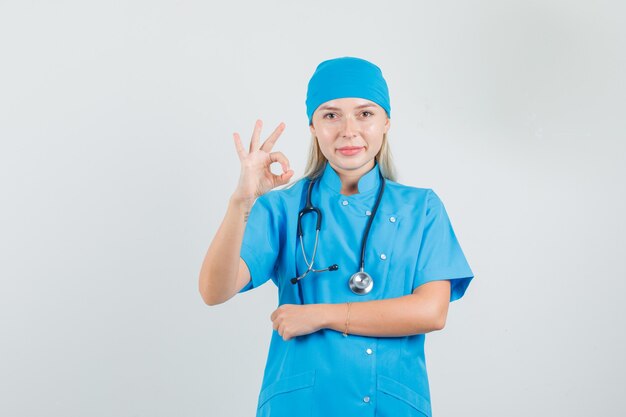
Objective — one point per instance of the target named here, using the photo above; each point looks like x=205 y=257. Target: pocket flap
x=287 y=384
x=402 y=392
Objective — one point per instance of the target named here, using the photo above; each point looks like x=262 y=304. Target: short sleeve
x=440 y=255
x=260 y=245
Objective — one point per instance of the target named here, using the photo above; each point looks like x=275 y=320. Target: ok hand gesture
x=256 y=178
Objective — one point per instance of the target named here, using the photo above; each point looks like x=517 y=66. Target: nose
x=349 y=128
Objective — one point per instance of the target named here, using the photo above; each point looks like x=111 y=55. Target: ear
x=312 y=129
x=387 y=124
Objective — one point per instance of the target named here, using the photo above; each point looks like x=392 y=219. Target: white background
x=117 y=161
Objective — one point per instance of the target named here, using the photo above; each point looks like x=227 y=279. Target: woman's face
x=350 y=132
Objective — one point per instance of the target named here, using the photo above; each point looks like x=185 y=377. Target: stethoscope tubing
x=309 y=208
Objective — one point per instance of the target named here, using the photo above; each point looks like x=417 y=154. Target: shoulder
x=407 y=189
x=409 y=196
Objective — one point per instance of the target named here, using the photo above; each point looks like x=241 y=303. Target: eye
x=328 y=114
x=367 y=112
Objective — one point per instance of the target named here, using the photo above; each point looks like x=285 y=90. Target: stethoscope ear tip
x=333 y=267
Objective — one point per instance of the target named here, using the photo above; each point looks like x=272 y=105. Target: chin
x=350 y=164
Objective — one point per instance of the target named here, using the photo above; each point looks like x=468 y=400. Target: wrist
x=333 y=316
x=241 y=201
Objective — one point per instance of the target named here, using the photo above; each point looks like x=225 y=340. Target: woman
x=357 y=297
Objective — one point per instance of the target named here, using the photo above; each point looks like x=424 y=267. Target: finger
x=239 y=146
x=283 y=178
x=280 y=158
x=254 y=142
x=269 y=142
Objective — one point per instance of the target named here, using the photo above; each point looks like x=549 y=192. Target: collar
x=368 y=182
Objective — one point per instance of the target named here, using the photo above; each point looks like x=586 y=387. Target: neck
x=350 y=177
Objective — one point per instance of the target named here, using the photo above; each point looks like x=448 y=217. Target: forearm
x=218 y=275
x=401 y=316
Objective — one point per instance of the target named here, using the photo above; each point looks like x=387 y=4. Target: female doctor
x=364 y=266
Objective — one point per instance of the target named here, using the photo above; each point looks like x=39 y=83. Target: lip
x=350 y=150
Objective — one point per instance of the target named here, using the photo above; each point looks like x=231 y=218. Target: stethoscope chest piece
x=361 y=283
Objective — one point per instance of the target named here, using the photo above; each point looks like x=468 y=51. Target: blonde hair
x=317 y=161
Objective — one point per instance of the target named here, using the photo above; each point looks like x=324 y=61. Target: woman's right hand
x=256 y=178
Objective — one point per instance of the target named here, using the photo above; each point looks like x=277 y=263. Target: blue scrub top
x=411 y=242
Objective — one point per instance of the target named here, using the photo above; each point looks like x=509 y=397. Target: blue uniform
x=411 y=242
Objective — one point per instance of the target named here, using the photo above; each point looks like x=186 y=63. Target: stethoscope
x=360 y=282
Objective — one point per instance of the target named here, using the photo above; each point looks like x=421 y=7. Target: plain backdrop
x=117 y=162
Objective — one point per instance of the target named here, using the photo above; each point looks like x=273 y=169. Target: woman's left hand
x=293 y=320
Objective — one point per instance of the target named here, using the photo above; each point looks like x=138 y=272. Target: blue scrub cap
x=346 y=77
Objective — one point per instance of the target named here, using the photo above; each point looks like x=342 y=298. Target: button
x=344 y=202
x=369 y=351
x=368 y=213
x=392 y=219
x=383 y=256
x=366 y=399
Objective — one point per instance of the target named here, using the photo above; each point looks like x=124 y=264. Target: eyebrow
x=362 y=106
